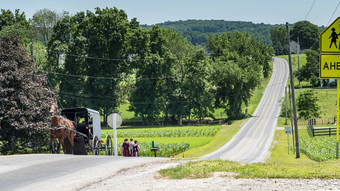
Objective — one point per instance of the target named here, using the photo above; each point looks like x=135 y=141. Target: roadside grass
x=222 y=137
x=279 y=165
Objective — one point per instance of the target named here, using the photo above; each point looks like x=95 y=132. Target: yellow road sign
x=330 y=38
x=329 y=66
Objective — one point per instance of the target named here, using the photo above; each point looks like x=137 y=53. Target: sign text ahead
x=329 y=66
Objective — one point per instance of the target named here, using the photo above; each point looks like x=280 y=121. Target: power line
x=107 y=100
x=333 y=13
x=310 y=10
x=327 y=23
x=107 y=59
x=113 y=78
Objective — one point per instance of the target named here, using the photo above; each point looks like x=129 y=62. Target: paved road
x=62 y=172
x=252 y=142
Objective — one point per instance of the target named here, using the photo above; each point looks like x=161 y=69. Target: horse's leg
x=61 y=141
x=51 y=143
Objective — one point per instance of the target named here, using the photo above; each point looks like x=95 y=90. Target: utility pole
x=293 y=96
x=291 y=116
x=286 y=104
x=298 y=50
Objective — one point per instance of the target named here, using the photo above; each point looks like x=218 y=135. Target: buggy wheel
x=95 y=146
x=108 y=145
x=55 y=147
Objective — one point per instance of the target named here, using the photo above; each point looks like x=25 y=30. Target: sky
x=158 y=11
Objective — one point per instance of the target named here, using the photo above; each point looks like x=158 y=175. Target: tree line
x=101 y=59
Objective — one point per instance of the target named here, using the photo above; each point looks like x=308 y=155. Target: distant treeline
x=198 y=31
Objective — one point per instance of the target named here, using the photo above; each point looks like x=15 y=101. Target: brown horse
x=61 y=128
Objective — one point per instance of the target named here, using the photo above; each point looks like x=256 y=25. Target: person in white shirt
x=131 y=146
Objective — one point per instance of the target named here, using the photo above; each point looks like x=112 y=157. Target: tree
x=307 y=106
x=152 y=76
x=238 y=59
x=307 y=33
x=7 y=18
x=17 y=30
x=15 y=25
x=197 y=86
x=310 y=71
x=95 y=45
x=279 y=40
x=44 y=20
x=24 y=100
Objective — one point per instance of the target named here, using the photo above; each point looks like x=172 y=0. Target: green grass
x=128 y=116
x=327 y=103
x=222 y=137
x=279 y=165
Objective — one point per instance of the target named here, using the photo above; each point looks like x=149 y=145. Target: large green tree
x=153 y=76
x=24 y=100
x=238 y=61
x=307 y=33
x=95 y=45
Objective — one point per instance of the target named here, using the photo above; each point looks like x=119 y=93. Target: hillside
x=197 y=31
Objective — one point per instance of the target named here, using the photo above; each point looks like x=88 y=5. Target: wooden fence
x=320 y=131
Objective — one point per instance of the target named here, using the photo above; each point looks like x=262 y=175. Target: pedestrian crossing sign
x=330 y=38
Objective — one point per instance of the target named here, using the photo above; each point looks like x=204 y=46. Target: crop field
x=170 y=140
x=169 y=132
x=321 y=148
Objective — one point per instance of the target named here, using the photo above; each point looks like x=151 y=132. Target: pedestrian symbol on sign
x=334 y=36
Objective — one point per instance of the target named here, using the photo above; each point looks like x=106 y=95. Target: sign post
x=329 y=63
x=287 y=131
x=114 y=120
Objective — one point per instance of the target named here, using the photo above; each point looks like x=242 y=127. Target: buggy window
x=81 y=118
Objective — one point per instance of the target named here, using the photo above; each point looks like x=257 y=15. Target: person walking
x=125 y=148
x=136 y=149
x=131 y=146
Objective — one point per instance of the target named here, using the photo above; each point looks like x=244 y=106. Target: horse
x=60 y=128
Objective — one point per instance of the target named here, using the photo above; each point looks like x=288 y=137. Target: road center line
x=261 y=122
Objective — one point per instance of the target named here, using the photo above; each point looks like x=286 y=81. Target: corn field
x=319 y=148
x=202 y=132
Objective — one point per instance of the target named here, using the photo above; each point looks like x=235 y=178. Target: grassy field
x=327 y=104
